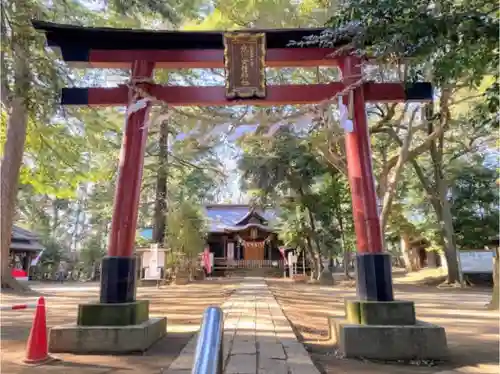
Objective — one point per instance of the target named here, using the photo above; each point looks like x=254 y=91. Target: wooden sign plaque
x=244 y=58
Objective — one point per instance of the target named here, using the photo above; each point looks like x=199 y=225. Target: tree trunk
x=10 y=168
x=441 y=208
x=409 y=257
x=317 y=253
x=55 y=222
x=444 y=216
x=446 y=223
x=93 y=272
x=346 y=253
x=160 y=215
x=495 y=298
x=312 y=256
x=391 y=188
x=74 y=236
x=13 y=154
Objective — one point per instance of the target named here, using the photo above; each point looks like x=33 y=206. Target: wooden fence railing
x=223 y=263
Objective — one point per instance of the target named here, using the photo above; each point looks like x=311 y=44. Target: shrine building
x=25 y=246
x=242 y=236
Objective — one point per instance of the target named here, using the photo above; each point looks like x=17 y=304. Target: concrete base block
x=384 y=342
x=72 y=338
x=119 y=314
x=380 y=312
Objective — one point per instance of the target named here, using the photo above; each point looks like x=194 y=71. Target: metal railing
x=209 y=358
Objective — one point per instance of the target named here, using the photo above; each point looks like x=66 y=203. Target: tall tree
x=285 y=169
x=452 y=44
x=474 y=201
x=19 y=101
x=30 y=81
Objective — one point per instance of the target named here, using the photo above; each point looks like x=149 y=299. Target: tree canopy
x=434 y=173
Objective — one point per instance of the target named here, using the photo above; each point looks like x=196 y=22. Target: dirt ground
x=472 y=331
x=182 y=305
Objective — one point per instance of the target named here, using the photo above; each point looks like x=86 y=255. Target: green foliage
x=69 y=173
x=69 y=155
x=241 y=14
x=282 y=163
x=475 y=202
x=313 y=201
x=141 y=242
x=52 y=255
x=93 y=251
x=131 y=7
x=461 y=38
x=449 y=41
x=332 y=208
x=186 y=228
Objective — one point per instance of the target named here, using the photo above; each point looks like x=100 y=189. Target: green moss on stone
x=380 y=312
x=123 y=314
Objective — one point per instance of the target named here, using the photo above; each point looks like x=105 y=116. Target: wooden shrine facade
x=25 y=246
x=241 y=236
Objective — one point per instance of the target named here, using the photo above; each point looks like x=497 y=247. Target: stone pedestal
x=123 y=314
x=384 y=342
x=106 y=339
x=116 y=324
x=378 y=327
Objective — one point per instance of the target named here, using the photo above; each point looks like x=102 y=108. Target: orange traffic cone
x=37 y=348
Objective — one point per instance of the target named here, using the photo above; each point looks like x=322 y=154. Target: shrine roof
x=25 y=240
x=227 y=216
x=128 y=39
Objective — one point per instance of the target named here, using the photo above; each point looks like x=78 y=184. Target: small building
x=242 y=236
x=151 y=262
x=238 y=235
x=25 y=246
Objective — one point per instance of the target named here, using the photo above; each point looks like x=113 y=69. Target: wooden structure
x=24 y=248
x=242 y=237
x=143 y=51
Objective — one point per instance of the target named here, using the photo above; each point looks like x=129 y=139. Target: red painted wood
x=209 y=58
x=276 y=95
x=384 y=92
x=126 y=203
x=360 y=170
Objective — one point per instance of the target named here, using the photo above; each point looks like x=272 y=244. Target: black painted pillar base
x=118 y=275
x=374 y=277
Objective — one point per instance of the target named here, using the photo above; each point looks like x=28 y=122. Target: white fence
x=223 y=263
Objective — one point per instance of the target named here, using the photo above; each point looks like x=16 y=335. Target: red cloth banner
x=282 y=251
x=19 y=273
x=206 y=260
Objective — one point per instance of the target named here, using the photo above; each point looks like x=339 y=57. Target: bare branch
x=391 y=188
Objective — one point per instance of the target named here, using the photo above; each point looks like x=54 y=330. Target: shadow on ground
x=182 y=305
x=472 y=331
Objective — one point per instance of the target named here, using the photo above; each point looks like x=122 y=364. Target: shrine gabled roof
x=25 y=240
x=59 y=35
x=227 y=216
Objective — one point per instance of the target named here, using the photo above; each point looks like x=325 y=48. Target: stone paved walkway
x=258 y=338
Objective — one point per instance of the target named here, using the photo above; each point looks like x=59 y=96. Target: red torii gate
x=142 y=51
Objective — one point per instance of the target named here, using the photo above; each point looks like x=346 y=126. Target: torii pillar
x=119 y=323
x=118 y=276
x=373 y=264
x=376 y=326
